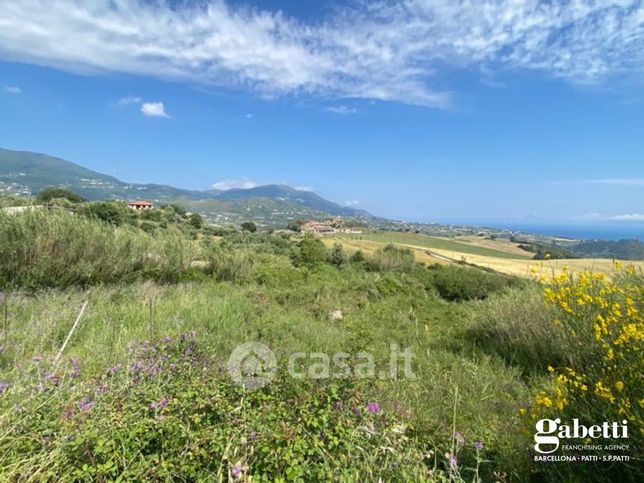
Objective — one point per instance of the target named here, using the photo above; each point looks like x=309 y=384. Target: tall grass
x=516 y=324
x=57 y=249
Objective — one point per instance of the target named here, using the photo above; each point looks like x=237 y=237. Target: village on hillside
x=330 y=225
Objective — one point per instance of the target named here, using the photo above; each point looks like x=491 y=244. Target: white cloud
x=228 y=184
x=352 y=202
x=127 y=100
x=13 y=89
x=249 y=115
x=383 y=50
x=153 y=109
x=341 y=109
x=303 y=188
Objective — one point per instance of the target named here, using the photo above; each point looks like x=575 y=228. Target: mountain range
x=26 y=173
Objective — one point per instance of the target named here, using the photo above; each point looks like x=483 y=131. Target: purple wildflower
x=161 y=404
x=373 y=407
x=67 y=413
x=236 y=472
x=356 y=411
x=3 y=386
x=460 y=440
x=478 y=445
x=37 y=358
x=53 y=378
x=86 y=404
x=167 y=339
x=453 y=460
x=76 y=367
x=252 y=436
x=114 y=369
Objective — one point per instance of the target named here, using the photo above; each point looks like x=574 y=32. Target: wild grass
x=287 y=308
x=58 y=249
x=516 y=324
x=142 y=390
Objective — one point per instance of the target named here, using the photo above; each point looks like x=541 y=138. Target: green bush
x=249 y=226
x=114 y=212
x=48 y=194
x=337 y=256
x=311 y=250
x=391 y=259
x=458 y=283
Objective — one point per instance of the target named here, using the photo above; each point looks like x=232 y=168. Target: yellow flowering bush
x=603 y=320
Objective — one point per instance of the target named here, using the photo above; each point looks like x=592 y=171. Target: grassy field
x=143 y=389
x=498 y=255
x=466 y=246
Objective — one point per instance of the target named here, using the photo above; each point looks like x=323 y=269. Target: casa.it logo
x=252 y=365
x=551 y=431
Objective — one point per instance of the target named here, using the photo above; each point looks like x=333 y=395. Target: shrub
x=196 y=220
x=391 y=259
x=294 y=226
x=249 y=226
x=114 y=212
x=311 y=250
x=458 y=283
x=602 y=321
x=48 y=194
x=336 y=255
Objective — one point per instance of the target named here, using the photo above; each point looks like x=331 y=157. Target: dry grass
x=510 y=266
x=527 y=268
x=500 y=245
x=369 y=246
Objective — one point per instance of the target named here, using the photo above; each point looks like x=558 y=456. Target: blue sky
x=496 y=112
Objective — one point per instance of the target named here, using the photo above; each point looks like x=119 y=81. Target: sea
x=595 y=231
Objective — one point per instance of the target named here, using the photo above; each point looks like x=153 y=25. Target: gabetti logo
x=550 y=431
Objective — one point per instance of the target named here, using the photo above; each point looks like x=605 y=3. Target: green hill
x=25 y=173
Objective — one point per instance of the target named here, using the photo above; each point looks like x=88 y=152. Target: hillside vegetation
x=142 y=390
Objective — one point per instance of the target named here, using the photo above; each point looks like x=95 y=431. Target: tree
x=113 y=212
x=337 y=256
x=294 y=225
x=312 y=250
x=196 y=220
x=249 y=226
x=47 y=194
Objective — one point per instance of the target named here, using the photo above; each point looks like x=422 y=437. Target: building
x=140 y=205
x=319 y=227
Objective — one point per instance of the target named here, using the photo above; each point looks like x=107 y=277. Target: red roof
x=140 y=203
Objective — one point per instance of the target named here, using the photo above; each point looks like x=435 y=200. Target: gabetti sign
x=551 y=431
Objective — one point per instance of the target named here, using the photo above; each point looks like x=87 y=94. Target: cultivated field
x=499 y=255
